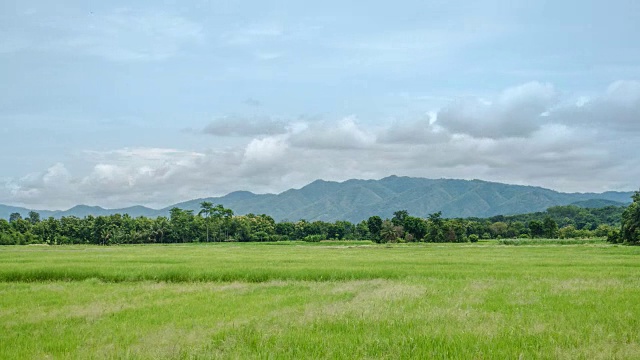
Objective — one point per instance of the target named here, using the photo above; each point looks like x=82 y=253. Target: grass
x=326 y=300
x=601 y=241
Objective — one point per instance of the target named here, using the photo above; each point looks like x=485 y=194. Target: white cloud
x=266 y=150
x=53 y=184
x=561 y=151
x=422 y=131
x=340 y=135
x=617 y=109
x=516 y=112
x=115 y=177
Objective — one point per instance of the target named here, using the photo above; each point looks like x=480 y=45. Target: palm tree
x=389 y=232
x=160 y=227
x=206 y=209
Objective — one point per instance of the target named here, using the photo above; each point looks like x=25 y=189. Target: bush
x=474 y=238
x=6 y=239
x=63 y=240
x=378 y=240
x=279 y=238
x=614 y=236
x=313 y=238
x=260 y=236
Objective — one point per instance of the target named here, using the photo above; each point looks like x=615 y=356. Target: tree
x=498 y=229
x=456 y=230
x=567 y=232
x=435 y=228
x=160 y=228
x=602 y=230
x=630 y=229
x=399 y=217
x=21 y=225
x=15 y=217
x=416 y=227
x=285 y=230
x=339 y=230
x=516 y=229
x=227 y=215
x=207 y=209
x=262 y=224
x=33 y=217
x=375 y=225
x=536 y=228
x=301 y=229
x=242 y=228
x=182 y=224
x=221 y=218
x=362 y=231
x=549 y=228
x=390 y=232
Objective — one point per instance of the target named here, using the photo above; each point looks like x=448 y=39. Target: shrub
x=473 y=238
x=6 y=239
x=279 y=238
x=313 y=238
x=260 y=236
x=614 y=236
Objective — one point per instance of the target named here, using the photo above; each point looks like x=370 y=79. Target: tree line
x=629 y=231
x=215 y=223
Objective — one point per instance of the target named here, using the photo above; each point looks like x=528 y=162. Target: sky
x=155 y=102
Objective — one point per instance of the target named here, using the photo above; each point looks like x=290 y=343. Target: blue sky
x=154 y=102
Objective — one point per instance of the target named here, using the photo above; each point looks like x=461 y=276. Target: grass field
x=326 y=300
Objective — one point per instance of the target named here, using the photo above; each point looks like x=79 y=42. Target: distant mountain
x=356 y=200
x=6 y=211
x=79 y=211
x=598 y=203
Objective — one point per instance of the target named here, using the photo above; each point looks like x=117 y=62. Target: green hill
x=355 y=200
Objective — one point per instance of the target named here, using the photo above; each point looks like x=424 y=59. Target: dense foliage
x=215 y=224
x=578 y=217
x=629 y=232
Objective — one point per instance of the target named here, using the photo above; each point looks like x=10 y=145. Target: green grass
x=593 y=241
x=321 y=300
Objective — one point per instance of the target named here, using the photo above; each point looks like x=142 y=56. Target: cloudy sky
x=154 y=102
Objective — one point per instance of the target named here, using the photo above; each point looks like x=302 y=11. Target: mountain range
x=355 y=200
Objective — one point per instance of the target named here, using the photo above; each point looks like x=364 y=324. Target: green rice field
x=327 y=300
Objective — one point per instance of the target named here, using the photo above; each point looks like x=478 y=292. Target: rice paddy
x=324 y=300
